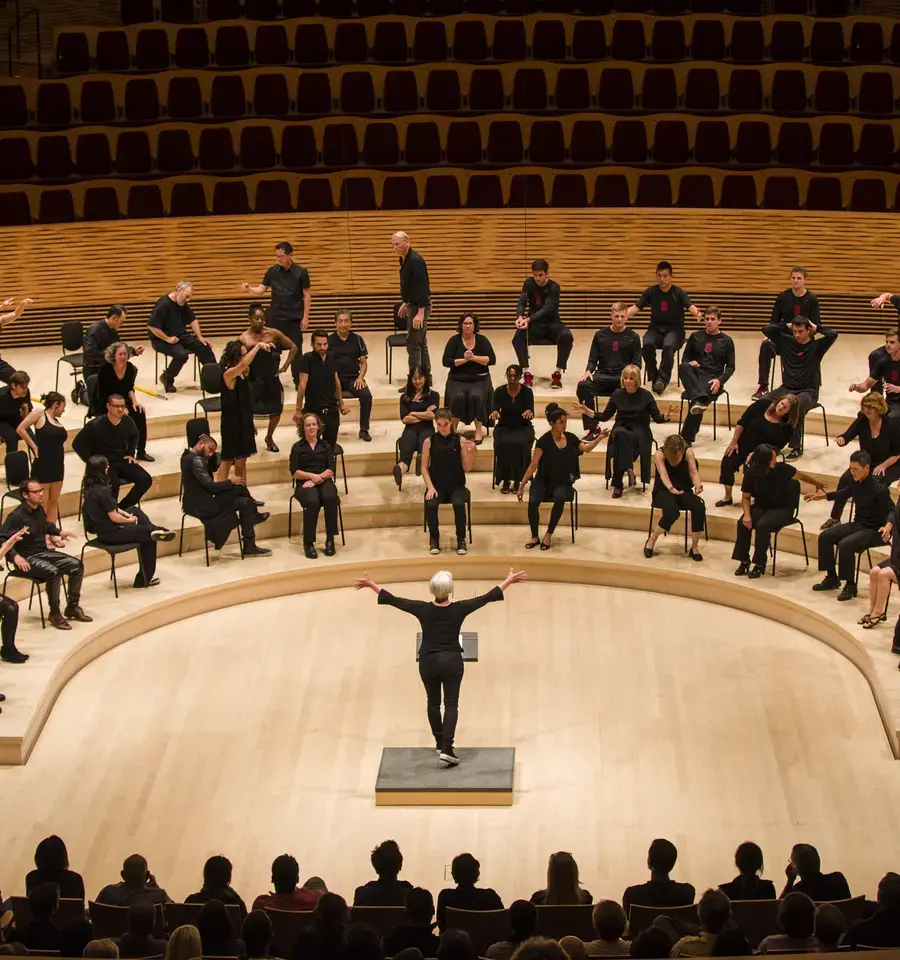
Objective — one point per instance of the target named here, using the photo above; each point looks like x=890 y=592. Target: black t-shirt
x=309 y=459
x=611 y=352
x=714 y=353
x=410 y=405
x=98 y=502
x=320 y=391
x=287 y=288
x=824 y=886
x=382 y=893
x=757 y=428
x=774 y=488
x=512 y=409
x=558 y=465
x=749 y=888
x=886 y=444
x=13 y=410
x=347 y=353
x=874 y=508
x=888 y=370
x=666 y=309
x=788 y=305
x=171 y=318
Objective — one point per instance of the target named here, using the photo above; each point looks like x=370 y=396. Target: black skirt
x=469 y=400
x=512 y=452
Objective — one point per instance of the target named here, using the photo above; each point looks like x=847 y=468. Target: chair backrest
x=179 y=914
x=383 y=919
x=17 y=468
x=756 y=919
x=195 y=428
x=286 y=924
x=639 y=917
x=484 y=927
x=556 y=921
x=71 y=334
x=211 y=378
x=852 y=910
x=110 y=921
x=70 y=910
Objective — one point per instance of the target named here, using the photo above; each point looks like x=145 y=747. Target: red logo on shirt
x=615 y=346
x=707 y=348
x=797 y=308
x=894 y=376
x=537 y=299
x=664 y=305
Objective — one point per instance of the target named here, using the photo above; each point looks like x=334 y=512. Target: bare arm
x=285 y=343
x=195 y=329
x=862 y=386
x=258 y=290
x=307 y=297
x=511 y=578
x=529 y=472
x=301 y=392
x=243 y=365
x=6 y=318
x=815 y=481
x=467 y=452
x=632 y=310
x=587 y=447
x=430 y=492
x=694 y=472
x=23 y=428
x=160 y=335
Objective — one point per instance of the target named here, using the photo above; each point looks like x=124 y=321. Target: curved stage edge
x=697 y=586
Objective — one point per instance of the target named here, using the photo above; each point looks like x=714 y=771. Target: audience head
x=522 y=920
x=331 y=917
x=651 y=943
x=786 y=409
x=714 y=911
x=217 y=873
x=285 y=873
x=96 y=472
x=468 y=325
x=51 y=856
x=419 y=906
x=661 y=856
x=731 y=942
x=673 y=448
x=540 y=270
x=410 y=953
x=514 y=373
x=257 y=933
x=562 y=879
x=141 y=918
x=800 y=328
x=748 y=857
x=232 y=354
x=256 y=317
x=464 y=868
x=400 y=243
x=440 y=586
x=101 y=948
x=43 y=901
x=797 y=915
x=609 y=920
x=184 y=290
x=630 y=378
x=53 y=402
x=74 y=937
x=417 y=382
x=387 y=860
x=115 y=407
x=664 y=273
x=18 y=384
x=116 y=353
x=873 y=406
x=618 y=314
x=573 y=947
x=343 y=320
x=556 y=416
x=362 y=943
x=215 y=927
x=443 y=421
x=319 y=342
x=860 y=463
x=829 y=925
x=116 y=315
x=539 y=948
x=456 y=945
x=762 y=460
x=20 y=950
x=283 y=251
x=32 y=493
x=712 y=319
x=889 y=892
x=134 y=870
x=184 y=943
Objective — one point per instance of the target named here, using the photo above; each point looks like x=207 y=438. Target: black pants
x=767 y=355
x=847 y=539
x=538 y=494
x=412 y=440
x=140 y=421
x=556 y=331
x=696 y=387
x=766 y=520
x=9 y=612
x=417 y=341
x=458 y=497
x=49 y=567
x=842 y=494
x=623 y=448
x=669 y=341
x=447 y=681
x=331 y=418
x=178 y=353
x=806 y=400
x=313 y=499
x=671 y=505
x=138 y=533
x=235 y=508
x=600 y=385
x=124 y=471
x=730 y=465
x=9 y=437
x=365 y=400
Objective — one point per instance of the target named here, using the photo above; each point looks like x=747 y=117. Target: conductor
x=440 y=656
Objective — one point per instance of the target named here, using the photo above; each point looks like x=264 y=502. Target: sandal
x=724 y=503
x=545 y=545
x=532 y=543
x=872 y=621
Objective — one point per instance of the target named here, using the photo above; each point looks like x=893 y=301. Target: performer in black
x=101 y=335
x=291 y=296
x=265 y=370
x=706 y=365
x=118 y=375
x=46 y=437
x=796 y=301
x=313 y=469
x=175 y=333
x=512 y=411
x=15 y=405
x=880 y=579
x=677 y=487
x=440 y=656
x=415 y=292
x=446 y=459
x=351 y=358
x=666 y=330
x=418 y=404
x=467 y=356
x=612 y=350
x=7 y=370
x=540 y=295
x=319 y=389
x=9 y=614
x=238 y=432
x=885 y=370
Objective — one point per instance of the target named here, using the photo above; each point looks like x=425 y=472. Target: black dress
x=266 y=390
x=49 y=466
x=468 y=390
x=513 y=434
x=238 y=434
x=631 y=436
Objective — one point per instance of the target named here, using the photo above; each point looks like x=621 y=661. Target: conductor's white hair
x=400 y=235
x=441 y=585
x=184 y=285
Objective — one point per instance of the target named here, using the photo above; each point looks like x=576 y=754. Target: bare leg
x=479 y=430
x=873 y=590
x=53 y=492
x=240 y=470
x=695 y=542
x=224 y=470
x=657 y=533
x=273 y=423
x=727 y=490
x=885 y=579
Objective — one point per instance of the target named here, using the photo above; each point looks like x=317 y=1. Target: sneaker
x=659 y=387
x=434 y=547
x=527 y=379
x=829 y=583
x=761 y=391
x=698 y=407
x=556 y=380
x=74 y=612
x=793 y=454
x=592 y=434
x=461 y=548
x=849 y=592
x=255 y=551
x=830 y=522
x=162 y=534
x=448 y=756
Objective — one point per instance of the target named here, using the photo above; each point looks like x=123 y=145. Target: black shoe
x=504 y=487
x=59 y=621
x=254 y=551
x=461 y=548
x=13 y=656
x=849 y=591
x=648 y=551
x=329 y=548
x=761 y=391
x=829 y=523
x=448 y=756
x=695 y=554
x=74 y=612
x=309 y=549
x=139 y=583
x=725 y=503
x=261 y=518
x=659 y=387
x=895 y=648
x=398 y=476
x=2 y=697
x=434 y=546
x=829 y=583
x=757 y=571
x=143 y=455
x=743 y=569
x=793 y=454
x=271 y=445
x=167 y=536
x=259 y=503
x=365 y=435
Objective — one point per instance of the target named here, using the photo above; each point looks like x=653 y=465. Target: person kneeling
x=677 y=487
x=446 y=459
x=312 y=467
x=112 y=525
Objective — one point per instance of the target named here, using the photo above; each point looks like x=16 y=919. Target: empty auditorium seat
x=15 y=211
x=701 y=89
x=442 y=193
x=866 y=43
x=423 y=144
x=299 y=8
x=894 y=49
x=832 y=92
x=176 y=11
x=184 y=100
x=270 y=95
x=430 y=41
x=548 y=42
x=54 y=158
x=827 y=43
x=151 y=50
x=188 y=200
x=876 y=93
x=136 y=11
x=526 y=190
x=789 y=91
x=611 y=190
x=836 y=145
x=509 y=40
x=868 y=196
x=357 y=92
x=298 y=147
x=350 y=43
x=486 y=90
x=401 y=93
x=573 y=89
x=670 y=143
x=830 y=8
x=753 y=143
x=795 y=145
x=232 y=47
x=484 y=190
x=142 y=100
x=54 y=105
x=616 y=90
x=56 y=206
x=569 y=190
x=381 y=145
x=13 y=107
x=708 y=40
x=464 y=143
x=787 y=42
x=470 y=41
x=357 y=193
x=230 y=198
x=653 y=190
x=15 y=160
x=667 y=40
x=216 y=150
x=101 y=203
x=696 y=190
x=373 y=8
x=712 y=143
x=745 y=92
x=133 y=156
x=273 y=196
x=442 y=92
x=547 y=142
x=339 y=146
x=588 y=40
x=738 y=192
x=98 y=104
x=339 y=9
x=748 y=44
x=191 y=49
x=781 y=193
x=504 y=143
x=588 y=143
x=73 y=54
x=824 y=193
x=228 y=99
x=313 y=93
x=93 y=157
x=629 y=142
x=390 y=45
x=876 y=145
x=257 y=148
x=223 y=9
x=310 y=44
x=530 y=90
x=399 y=193
x=144 y=202
x=270 y=48
x=628 y=41
x=174 y=153
x=659 y=91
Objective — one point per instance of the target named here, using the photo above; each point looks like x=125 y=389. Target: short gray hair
x=183 y=285
x=441 y=585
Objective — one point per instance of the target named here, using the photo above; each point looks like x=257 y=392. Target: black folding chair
x=211 y=384
x=714 y=404
x=71 y=335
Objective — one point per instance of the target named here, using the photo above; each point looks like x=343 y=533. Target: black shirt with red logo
x=714 y=353
x=788 y=306
x=888 y=370
x=800 y=362
x=542 y=302
x=611 y=352
x=666 y=309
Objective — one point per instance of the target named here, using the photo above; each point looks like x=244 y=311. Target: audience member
x=882 y=929
x=16 y=949
x=419 y=930
x=465 y=870
x=137 y=884
x=387 y=890
x=829 y=926
x=328 y=934
x=446 y=459
x=609 y=921
x=351 y=357
x=563 y=886
x=651 y=944
x=522 y=923
x=118 y=376
x=45 y=436
x=257 y=935
x=512 y=411
x=139 y=940
x=714 y=913
x=418 y=404
x=797 y=922
x=677 y=487
x=15 y=405
x=660 y=890
x=51 y=862
x=541 y=296
x=706 y=366
x=42 y=933
x=731 y=942
x=175 y=333
x=456 y=945
x=410 y=953
x=818 y=886
x=217 y=884
x=76 y=935
x=101 y=948
x=748 y=884
x=216 y=931
x=574 y=948
x=540 y=948
x=363 y=943
x=288 y=894
x=468 y=392
x=184 y=943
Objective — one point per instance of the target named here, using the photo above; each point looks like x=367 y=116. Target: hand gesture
x=522 y=323
x=698 y=488
x=21 y=563
x=8 y=302
x=467 y=444
x=430 y=493
x=403 y=312
x=245 y=287
x=27 y=302
x=585 y=376
x=495 y=415
x=468 y=354
x=581 y=408
x=694 y=363
x=266 y=345
x=841 y=442
x=138 y=351
x=715 y=385
x=14 y=538
x=790 y=871
x=818 y=495
x=515 y=576
x=365 y=581
x=885 y=532
x=528 y=415
x=880 y=300
x=309 y=483
x=345 y=410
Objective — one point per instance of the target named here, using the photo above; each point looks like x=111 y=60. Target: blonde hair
x=183 y=285
x=101 y=948
x=441 y=585
x=874 y=401
x=673 y=445
x=628 y=372
x=618 y=307
x=184 y=944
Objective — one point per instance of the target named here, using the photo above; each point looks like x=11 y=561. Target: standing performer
x=265 y=386
x=541 y=296
x=118 y=375
x=289 y=307
x=46 y=438
x=415 y=292
x=440 y=656
x=319 y=388
x=351 y=358
x=238 y=432
x=175 y=333
x=6 y=370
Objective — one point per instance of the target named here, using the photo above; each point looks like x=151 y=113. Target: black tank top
x=446 y=464
x=679 y=477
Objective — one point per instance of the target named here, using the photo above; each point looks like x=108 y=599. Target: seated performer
x=764 y=421
x=118 y=375
x=110 y=524
x=554 y=466
x=874 y=508
x=351 y=358
x=446 y=459
x=770 y=496
x=9 y=614
x=313 y=467
x=100 y=336
x=217 y=503
x=677 y=487
x=38 y=553
x=15 y=405
x=319 y=388
x=467 y=356
x=881 y=577
x=885 y=370
x=666 y=330
x=879 y=435
x=46 y=437
x=115 y=436
x=6 y=371
x=706 y=365
x=541 y=295
x=418 y=403
x=612 y=349
x=266 y=390
x=512 y=410
x=175 y=333
x=801 y=367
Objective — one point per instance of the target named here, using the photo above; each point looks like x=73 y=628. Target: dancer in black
x=418 y=404
x=319 y=389
x=707 y=364
x=440 y=656
x=46 y=438
x=467 y=356
x=118 y=375
x=886 y=371
x=265 y=370
x=666 y=330
x=540 y=295
x=612 y=350
x=175 y=333
x=770 y=497
x=313 y=469
x=677 y=487
x=512 y=411
x=446 y=459
x=554 y=466
x=15 y=405
x=351 y=359
x=415 y=294
x=238 y=431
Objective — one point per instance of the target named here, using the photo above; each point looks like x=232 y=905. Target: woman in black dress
x=440 y=656
x=446 y=459
x=236 y=425
x=418 y=403
x=312 y=467
x=764 y=421
x=882 y=576
x=512 y=412
x=554 y=466
x=46 y=438
x=468 y=392
x=118 y=375
x=677 y=487
x=265 y=371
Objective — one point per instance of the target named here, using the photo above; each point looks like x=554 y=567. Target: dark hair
x=797 y=915
x=44 y=900
x=141 y=917
x=134 y=869
x=539 y=266
x=217 y=873
x=662 y=855
x=331 y=917
x=562 y=879
x=456 y=945
x=51 y=856
x=285 y=873
x=554 y=412
x=301 y=426
x=114 y=396
x=465 y=869
x=315 y=335
x=387 y=860
x=410 y=389
x=864 y=459
x=256 y=305
x=51 y=398
x=215 y=928
x=651 y=943
x=801 y=321
x=829 y=924
x=760 y=463
x=19 y=379
x=522 y=920
x=285 y=247
x=712 y=311
x=419 y=905
x=609 y=920
x=256 y=933
x=95 y=472
x=517 y=367
x=889 y=892
x=540 y=948
x=363 y=943
x=205 y=438
x=804 y=855
x=748 y=857
x=802 y=270
x=665 y=265
x=25 y=484
x=465 y=316
x=115 y=311
x=74 y=937
x=731 y=942
x=231 y=355
x=443 y=413
x=714 y=911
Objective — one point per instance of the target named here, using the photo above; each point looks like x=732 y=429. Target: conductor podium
x=413 y=776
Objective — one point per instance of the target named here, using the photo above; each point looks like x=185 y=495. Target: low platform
x=468 y=642
x=414 y=777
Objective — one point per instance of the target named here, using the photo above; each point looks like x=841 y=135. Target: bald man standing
x=416 y=296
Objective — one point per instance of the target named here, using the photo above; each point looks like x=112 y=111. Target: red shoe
x=528 y=379
x=556 y=381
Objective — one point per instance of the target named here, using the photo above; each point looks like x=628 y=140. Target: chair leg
x=728 y=407
x=803 y=535
x=31 y=595
x=181 y=536
x=56 y=388
x=775 y=550
x=572 y=517
x=344 y=472
x=714 y=420
x=41 y=606
x=680 y=413
x=112 y=573
x=206 y=546
x=341 y=523
x=290 y=515
x=469 y=517
x=825 y=425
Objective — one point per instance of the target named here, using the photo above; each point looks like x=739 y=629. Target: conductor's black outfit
x=440 y=656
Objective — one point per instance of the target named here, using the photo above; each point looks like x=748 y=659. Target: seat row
x=448 y=188
x=473 y=39
x=504 y=139
x=451 y=88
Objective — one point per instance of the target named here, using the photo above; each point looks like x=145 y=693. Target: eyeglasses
x=118 y=406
